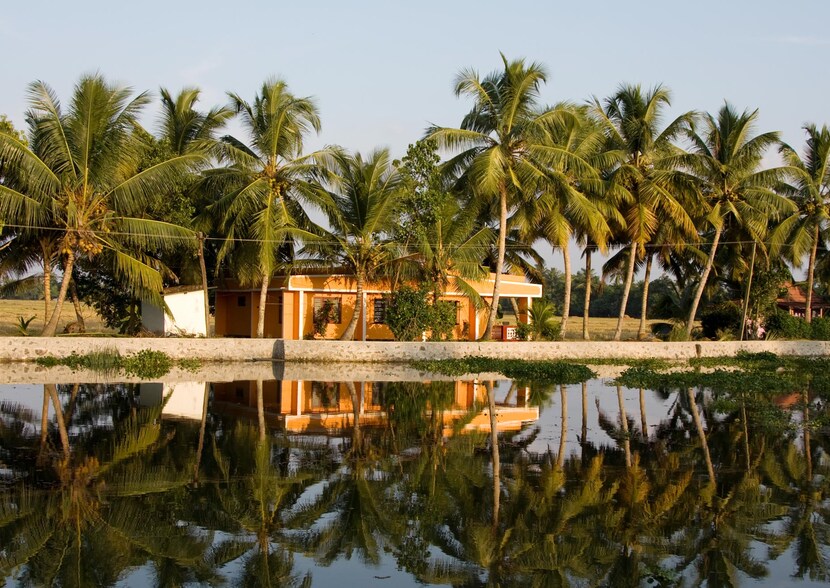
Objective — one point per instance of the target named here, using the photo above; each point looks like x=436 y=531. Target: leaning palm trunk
x=701 y=434
x=348 y=334
x=76 y=303
x=641 y=332
x=494 y=306
x=52 y=390
x=811 y=268
x=47 y=285
x=52 y=326
x=566 y=303
x=710 y=261
x=260 y=410
x=263 y=299
x=586 y=311
x=494 y=445
x=629 y=278
x=563 y=433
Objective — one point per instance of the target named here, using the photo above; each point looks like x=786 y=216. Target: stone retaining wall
x=23 y=349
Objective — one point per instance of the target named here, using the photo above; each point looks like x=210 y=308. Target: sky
x=382 y=71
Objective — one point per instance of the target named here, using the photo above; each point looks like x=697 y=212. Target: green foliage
x=23 y=325
x=523 y=331
x=543 y=324
x=548 y=372
x=820 y=329
x=98 y=287
x=782 y=324
x=323 y=316
x=410 y=313
x=423 y=190
x=146 y=364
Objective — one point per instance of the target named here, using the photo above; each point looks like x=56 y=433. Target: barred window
x=379 y=314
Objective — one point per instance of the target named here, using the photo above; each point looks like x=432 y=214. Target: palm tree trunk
x=494 y=305
x=584 y=440
x=202 y=427
x=76 y=303
x=629 y=277
x=586 y=311
x=566 y=304
x=624 y=425
x=44 y=427
x=701 y=434
x=260 y=409
x=494 y=445
x=643 y=421
x=811 y=268
x=348 y=334
x=563 y=426
x=808 y=454
x=52 y=326
x=52 y=390
x=263 y=298
x=710 y=261
x=641 y=332
x=203 y=270
x=47 y=285
x=357 y=432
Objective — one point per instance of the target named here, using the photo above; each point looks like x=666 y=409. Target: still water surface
x=399 y=483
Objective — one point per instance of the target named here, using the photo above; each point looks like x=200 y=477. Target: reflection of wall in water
x=184 y=399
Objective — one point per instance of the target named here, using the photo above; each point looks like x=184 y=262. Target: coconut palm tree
x=360 y=197
x=500 y=152
x=79 y=177
x=565 y=203
x=261 y=188
x=645 y=182
x=726 y=159
x=805 y=228
x=186 y=128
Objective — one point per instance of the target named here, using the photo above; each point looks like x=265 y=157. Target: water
x=269 y=482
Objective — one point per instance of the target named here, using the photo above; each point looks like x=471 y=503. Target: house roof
x=796 y=297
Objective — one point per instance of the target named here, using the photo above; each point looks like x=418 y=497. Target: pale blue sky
x=382 y=71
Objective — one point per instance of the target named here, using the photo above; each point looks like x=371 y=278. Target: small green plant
x=325 y=314
x=543 y=323
x=23 y=325
x=146 y=364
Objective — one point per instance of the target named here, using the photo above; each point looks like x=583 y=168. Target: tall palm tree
x=500 y=154
x=361 y=197
x=726 y=159
x=186 y=128
x=645 y=182
x=263 y=184
x=78 y=176
x=805 y=229
x=566 y=203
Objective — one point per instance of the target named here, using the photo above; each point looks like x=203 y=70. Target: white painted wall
x=187 y=310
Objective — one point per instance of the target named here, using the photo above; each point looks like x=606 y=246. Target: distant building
x=186 y=317
x=794 y=301
x=292 y=301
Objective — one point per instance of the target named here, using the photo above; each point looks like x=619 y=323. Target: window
x=457 y=312
x=379 y=313
x=241 y=301
x=327 y=309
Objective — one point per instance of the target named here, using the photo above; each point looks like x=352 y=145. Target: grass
x=12 y=310
x=602 y=329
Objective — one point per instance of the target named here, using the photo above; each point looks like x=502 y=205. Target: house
x=293 y=300
x=794 y=301
x=186 y=305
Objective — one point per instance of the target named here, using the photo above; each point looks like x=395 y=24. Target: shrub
x=820 y=329
x=543 y=323
x=782 y=324
x=407 y=314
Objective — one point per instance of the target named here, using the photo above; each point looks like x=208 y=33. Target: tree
x=645 y=183
x=79 y=177
x=260 y=189
x=361 y=199
x=805 y=228
x=726 y=159
x=500 y=154
x=565 y=201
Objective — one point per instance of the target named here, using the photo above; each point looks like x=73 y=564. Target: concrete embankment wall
x=22 y=349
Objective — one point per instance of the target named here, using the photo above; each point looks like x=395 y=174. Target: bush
x=782 y=324
x=820 y=329
x=721 y=319
x=410 y=314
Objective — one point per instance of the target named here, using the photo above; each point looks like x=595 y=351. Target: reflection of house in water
x=184 y=399
x=326 y=407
